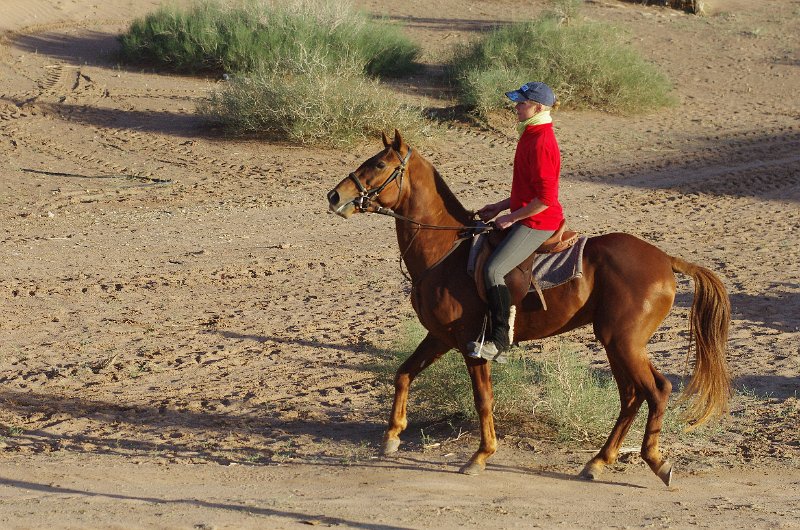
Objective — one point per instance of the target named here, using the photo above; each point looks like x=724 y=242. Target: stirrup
x=474 y=350
x=486 y=350
x=474 y=347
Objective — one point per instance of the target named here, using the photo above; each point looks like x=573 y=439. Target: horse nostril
x=333 y=197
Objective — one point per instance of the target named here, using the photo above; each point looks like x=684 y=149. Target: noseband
x=364 y=199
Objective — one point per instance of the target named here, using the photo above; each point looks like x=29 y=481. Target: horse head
x=377 y=183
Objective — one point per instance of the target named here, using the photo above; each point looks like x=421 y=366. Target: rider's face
x=527 y=109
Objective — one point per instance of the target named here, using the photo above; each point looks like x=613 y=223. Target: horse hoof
x=472 y=469
x=390 y=447
x=591 y=471
x=665 y=473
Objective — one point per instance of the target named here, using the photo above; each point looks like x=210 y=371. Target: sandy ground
x=184 y=328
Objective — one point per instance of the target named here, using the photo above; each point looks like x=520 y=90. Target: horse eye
x=381 y=164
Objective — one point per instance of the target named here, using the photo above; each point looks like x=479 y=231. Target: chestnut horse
x=626 y=291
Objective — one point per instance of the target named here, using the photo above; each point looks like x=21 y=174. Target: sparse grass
x=560 y=392
x=14 y=430
x=581 y=402
x=444 y=389
x=754 y=33
x=565 y=11
x=354 y=454
x=696 y=7
x=587 y=64
x=584 y=403
x=252 y=458
x=701 y=8
x=245 y=35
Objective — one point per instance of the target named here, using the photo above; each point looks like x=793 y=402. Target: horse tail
x=709 y=320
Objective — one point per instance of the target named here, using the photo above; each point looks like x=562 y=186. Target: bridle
x=364 y=199
x=364 y=202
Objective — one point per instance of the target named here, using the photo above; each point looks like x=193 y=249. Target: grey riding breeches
x=515 y=248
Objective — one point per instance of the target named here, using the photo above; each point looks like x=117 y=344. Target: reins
x=461 y=238
x=387 y=211
x=467 y=232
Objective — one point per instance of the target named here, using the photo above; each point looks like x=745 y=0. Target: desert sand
x=184 y=327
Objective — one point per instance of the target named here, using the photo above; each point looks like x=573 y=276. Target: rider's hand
x=488 y=212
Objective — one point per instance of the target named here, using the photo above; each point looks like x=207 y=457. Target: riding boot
x=499 y=299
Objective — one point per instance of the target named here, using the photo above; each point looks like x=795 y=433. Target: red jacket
x=537 y=166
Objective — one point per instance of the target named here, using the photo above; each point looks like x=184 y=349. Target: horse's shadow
x=771 y=309
x=774 y=386
x=153 y=422
x=248 y=509
x=351 y=433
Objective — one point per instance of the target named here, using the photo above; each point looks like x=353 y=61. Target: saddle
x=520 y=280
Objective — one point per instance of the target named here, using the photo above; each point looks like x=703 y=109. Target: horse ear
x=398 y=141
x=385 y=139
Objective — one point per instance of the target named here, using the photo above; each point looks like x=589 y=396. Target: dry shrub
x=312 y=102
x=690 y=6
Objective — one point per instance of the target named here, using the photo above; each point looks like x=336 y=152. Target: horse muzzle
x=344 y=207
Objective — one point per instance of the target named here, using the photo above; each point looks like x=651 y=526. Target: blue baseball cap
x=535 y=91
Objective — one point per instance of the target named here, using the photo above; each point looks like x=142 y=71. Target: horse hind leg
x=630 y=401
x=657 y=406
x=424 y=355
x=638 y=381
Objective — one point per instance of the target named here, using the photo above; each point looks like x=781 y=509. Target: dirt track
x=184 y=326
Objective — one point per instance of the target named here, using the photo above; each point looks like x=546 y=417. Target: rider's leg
x=520 y=243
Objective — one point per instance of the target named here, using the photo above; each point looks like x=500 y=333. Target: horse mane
x=451 y=202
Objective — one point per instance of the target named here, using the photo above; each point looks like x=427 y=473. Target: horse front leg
x=480 y=374
x=426 y=353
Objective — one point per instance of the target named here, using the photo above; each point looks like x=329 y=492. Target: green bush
x=587 y=65
x=248 y=35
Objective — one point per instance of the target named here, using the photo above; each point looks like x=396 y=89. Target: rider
x=535 y=213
